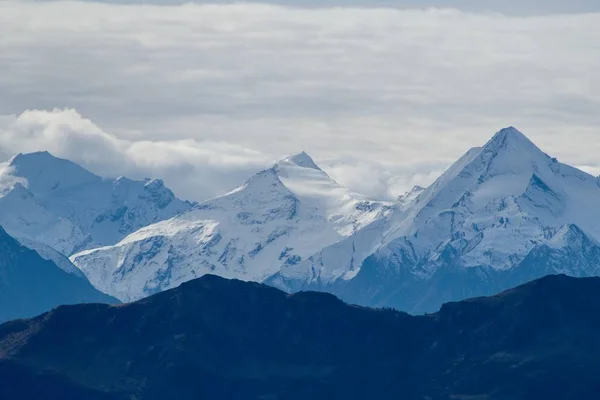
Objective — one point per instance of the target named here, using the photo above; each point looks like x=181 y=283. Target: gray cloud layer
x=521 y=7
x=204 y=95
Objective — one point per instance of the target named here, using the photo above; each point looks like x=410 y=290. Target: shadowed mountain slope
x=30 y=284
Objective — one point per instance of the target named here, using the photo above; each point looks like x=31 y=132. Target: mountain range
x=227 y=339
x=279 y=217
x=227 y=298
x=503 y=214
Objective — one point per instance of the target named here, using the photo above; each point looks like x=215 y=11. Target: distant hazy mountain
x=60 y=204
x=217 y=339
x=31 y=284
x=279 y=217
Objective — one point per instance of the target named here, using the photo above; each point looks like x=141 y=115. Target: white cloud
x=381 y=180
x=194 y=169
x=216 y=91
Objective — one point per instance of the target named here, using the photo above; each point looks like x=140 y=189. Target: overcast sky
x=512 y=7
x=204 y=95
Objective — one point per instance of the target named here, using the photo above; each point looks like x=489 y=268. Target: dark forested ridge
x=226 y=339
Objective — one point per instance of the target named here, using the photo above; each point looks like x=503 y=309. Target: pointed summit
x=509 y=152
x=510 y=139
x=503 y=167
x=266 y=178
x=300 y=160
x=512 y=133
x=45 y=172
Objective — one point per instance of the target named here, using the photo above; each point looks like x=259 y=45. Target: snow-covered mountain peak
x=299 y=160
x=45 y=173
x=511 y=136
x=155 y=184
x=492 y=205
x=306 y=191
x=321 y=196
x=306 y=180
x=160 y=195
x=261 y=198
x=510 y=142
x=258 y=185
x=279 y=217
x=509 y=151
x=505 y=166
x=36 y=157
x=62 y=205
x=571 y=235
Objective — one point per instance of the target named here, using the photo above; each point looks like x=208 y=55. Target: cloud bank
x=194 y=169
x=204 y=95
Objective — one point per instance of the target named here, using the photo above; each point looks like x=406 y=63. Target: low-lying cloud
x=194 y=169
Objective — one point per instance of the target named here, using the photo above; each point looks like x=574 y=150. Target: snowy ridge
x=339 y=261
x=489 y=211
x=570 y=251
x=60 y=204
x=504 y=213
x=279 y=217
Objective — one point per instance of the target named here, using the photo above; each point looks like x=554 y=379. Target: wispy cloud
x=406 y=92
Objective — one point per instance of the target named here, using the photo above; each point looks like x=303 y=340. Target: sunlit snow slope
x=279 y=217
